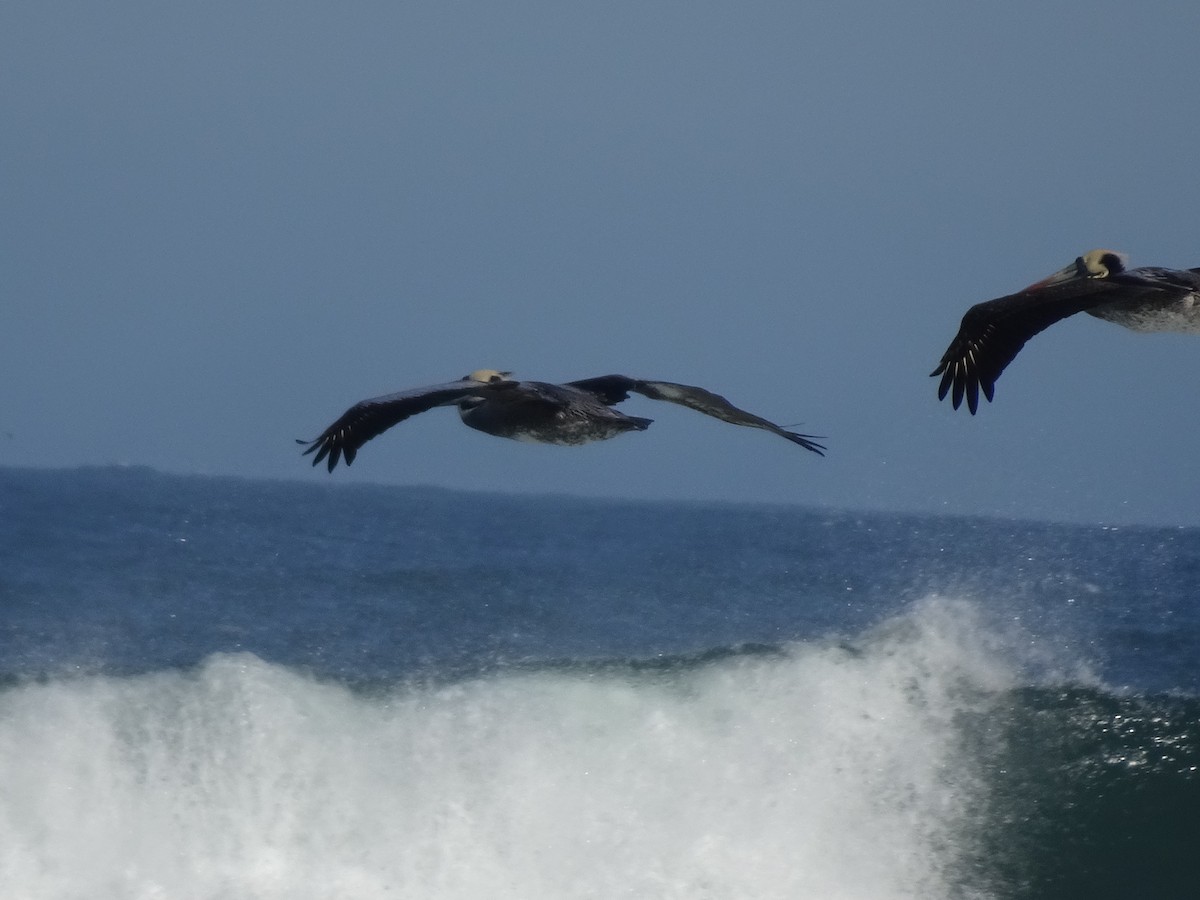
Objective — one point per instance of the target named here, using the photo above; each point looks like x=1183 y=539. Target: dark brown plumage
x=992 y=333
x=574 y=413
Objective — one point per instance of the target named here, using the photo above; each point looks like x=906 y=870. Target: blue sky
x=224 y=223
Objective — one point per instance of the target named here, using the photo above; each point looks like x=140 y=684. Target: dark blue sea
x=221 y=688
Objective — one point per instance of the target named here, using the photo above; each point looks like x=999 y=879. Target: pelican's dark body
x=992 y=333
x=543 y=413
x=1154 y=299
x=570 y=414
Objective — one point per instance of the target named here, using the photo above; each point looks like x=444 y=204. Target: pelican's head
x=487 y=376
x=1093 y=264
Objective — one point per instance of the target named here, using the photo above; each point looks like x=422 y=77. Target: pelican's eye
x=1111 y=263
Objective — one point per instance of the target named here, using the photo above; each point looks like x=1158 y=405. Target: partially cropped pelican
x=573 y=413
x=992 y=333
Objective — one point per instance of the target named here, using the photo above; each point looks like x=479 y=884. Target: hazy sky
x=223 y=223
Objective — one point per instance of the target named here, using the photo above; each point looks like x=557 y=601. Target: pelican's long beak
x=1075 y=270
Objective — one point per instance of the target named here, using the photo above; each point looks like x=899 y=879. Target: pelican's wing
x=992 y=333
x=615 y=388
x=1155 y=279
x=369 y=418
x=610 y=389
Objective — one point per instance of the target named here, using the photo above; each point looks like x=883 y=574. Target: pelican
x=1098 y=283
x=569 y=414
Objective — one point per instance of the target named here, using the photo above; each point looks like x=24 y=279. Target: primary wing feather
x=370 y=418
x=615 y=388
x=992 y=333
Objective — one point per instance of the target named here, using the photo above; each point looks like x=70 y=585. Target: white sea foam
x=828 y=772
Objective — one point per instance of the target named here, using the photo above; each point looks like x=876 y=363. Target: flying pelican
x=571 y=414
x=992 y=333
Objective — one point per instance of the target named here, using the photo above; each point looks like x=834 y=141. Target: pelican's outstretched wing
x=1145 y=282
x=615 y=388
x=992 y=333
x=370 y=418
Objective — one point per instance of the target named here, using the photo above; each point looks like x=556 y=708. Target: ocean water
x=217 y=688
